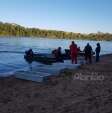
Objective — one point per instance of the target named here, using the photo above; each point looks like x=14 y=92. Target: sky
x=85 y=16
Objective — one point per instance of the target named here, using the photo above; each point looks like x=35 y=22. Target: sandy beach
x=85 y=90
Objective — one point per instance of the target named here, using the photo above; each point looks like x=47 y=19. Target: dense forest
x=8 y=29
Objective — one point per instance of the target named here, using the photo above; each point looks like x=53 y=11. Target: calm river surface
x=12 y=50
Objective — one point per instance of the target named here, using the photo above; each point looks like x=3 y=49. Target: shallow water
x=12 y=50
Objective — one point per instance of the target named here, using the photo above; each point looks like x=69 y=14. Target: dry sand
x=64 y=94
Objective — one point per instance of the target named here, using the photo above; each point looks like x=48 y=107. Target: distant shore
x=63 y=94
x=15 y=30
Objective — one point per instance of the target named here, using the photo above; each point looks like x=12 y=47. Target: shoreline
x=11 y=73
x=54 y=38
x=62 y=94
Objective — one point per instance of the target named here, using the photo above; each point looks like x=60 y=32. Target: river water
x=12 y=50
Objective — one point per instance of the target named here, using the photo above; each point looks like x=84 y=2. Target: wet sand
x=68 y=93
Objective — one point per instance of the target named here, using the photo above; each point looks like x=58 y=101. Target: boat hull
x=42 y=59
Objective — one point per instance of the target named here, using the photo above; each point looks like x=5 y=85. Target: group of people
x=88 y=52
x=74 y=51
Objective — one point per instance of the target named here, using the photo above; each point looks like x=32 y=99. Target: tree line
x=9 y=30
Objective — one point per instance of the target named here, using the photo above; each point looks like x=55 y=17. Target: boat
x=42 y=58
x=49 y=58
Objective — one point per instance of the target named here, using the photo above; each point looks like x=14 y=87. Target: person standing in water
x=88 y=53
x=73 y=52
x=58 y=54
x=97 y=50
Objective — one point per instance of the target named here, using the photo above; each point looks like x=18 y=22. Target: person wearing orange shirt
x=73 y=52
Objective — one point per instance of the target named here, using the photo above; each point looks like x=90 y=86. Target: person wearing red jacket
x=73 y=52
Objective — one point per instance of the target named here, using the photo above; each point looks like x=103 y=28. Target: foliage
x=7 y=29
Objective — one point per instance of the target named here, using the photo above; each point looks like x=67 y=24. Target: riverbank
x=75 y=91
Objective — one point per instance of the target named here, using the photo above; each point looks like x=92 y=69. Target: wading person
x=58 y=54
x=97 y=50
x=88 y=53
x=73 y=52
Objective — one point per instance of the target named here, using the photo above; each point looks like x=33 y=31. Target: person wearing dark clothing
x=73 y=52
x=88 y=53
x=97 y=50
x=29 y=57
x=29 y=53
x=78 y=49
x=58 y=54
